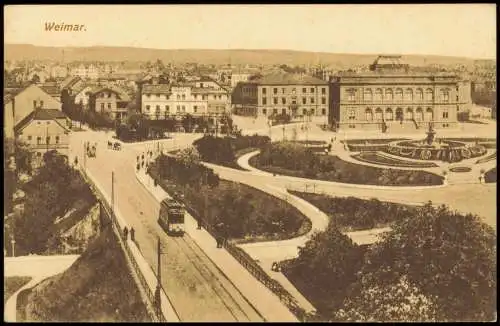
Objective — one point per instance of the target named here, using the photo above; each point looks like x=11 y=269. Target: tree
x=397 y=302
x=446 y=255
x=35 y=79
x=334 y=260
x=189 y=156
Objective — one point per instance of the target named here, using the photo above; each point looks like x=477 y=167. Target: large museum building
x=391 y=97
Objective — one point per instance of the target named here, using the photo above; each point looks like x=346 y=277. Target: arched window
x=420 y=114
x=429 y=94
x=369 y=114
x=351 y=93
x=420 y=94
x=409 y=95
x=399 y=94
x=368 y=95
x=409 y=114
x=378 y=95
x=389 y=115
x=389 y=95
x=399 y=114
x=429 y=114
x=445 y=95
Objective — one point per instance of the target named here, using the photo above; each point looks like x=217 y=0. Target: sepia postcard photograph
x=250 y=163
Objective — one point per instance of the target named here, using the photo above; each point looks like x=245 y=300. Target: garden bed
x=376 y=158
x=488 y=158
x=460 y=169
x=354 y=214
x=491 y=176
x=332 y=168
x=372 y=141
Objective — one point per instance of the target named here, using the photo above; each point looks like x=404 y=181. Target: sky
x=461 y=30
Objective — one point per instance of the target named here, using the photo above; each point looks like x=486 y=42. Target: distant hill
x=264 y=57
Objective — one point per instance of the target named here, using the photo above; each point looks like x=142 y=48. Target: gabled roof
x=41 y=114
x=121 y=93
x=70 y=82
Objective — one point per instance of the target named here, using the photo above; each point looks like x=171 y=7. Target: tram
x=171 y=217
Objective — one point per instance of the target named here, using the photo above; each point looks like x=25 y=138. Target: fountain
x=428 y=149
x=430 y=135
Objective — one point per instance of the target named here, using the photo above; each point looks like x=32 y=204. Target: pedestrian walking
x=199 y=223
x=125 y=233
x=480 y=178
x=138 y=166
x=76 y=160
x=132 y=234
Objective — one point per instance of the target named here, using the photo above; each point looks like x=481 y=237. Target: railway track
x=218 y=284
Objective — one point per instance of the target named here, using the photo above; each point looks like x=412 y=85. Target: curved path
x=37 y=267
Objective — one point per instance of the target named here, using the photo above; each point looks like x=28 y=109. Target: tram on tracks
x=171 y=217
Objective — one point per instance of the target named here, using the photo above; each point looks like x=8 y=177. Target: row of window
x=103 y=105
x=180 y=108
x=389 y=115
x=195 y=96
x=283 y=100
x=294 y=90
x=399 y=95
x=304 y=111
x=47 y=140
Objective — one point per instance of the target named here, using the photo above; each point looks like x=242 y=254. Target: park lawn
x=338 y=170
x=354 y=214
x=98 y=287
x=11 y=284
x=250 y=214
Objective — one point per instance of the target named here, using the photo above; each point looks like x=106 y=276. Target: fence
x=106 y=211
x=241 y=256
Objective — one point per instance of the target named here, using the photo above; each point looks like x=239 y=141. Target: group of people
x=125 y=234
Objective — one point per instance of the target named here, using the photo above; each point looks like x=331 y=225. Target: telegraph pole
x=113 y=192
x=158 y=284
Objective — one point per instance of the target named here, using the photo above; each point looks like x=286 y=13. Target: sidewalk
x=264 y=301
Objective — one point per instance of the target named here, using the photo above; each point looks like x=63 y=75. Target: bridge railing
x=157 y=316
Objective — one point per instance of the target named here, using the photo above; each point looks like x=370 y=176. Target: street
x=197 y=289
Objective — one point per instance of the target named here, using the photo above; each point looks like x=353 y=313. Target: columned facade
x=375 y=99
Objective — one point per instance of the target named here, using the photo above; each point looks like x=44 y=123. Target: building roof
x=121 y=93
x=289 y=79
x=70 y=82
x=51 y=88
x=41 y=114
x=156 y=89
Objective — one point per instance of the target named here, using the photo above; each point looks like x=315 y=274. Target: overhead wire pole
x=158 y=283
x=113 y=193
